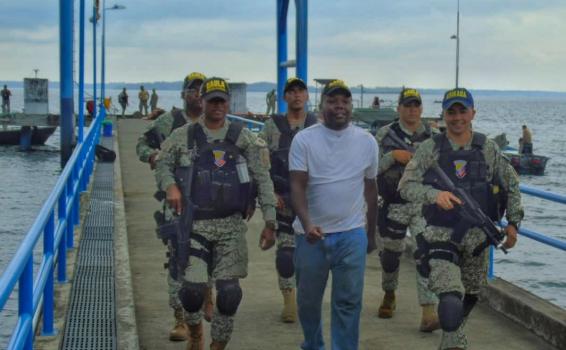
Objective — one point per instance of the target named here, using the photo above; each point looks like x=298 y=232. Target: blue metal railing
x=534 y=235
x=250 y=124
x=57 y=231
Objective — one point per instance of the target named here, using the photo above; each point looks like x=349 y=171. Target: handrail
x=57 y=231
x=250 y=124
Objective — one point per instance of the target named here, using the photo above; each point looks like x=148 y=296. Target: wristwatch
x=271 y=224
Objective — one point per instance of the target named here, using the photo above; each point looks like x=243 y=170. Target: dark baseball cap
x=215 y=87
x=458 y=95
x=192 y=78
x=294 y=82
x=336 y=86
x=408 y=95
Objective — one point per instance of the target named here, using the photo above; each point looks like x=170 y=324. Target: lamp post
x=457 y=38
x=103 y=64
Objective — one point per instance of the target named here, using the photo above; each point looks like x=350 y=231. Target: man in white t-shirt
x=333 y=168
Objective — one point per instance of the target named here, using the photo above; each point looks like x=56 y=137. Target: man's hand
x=402 y=156
x=175 y=198
x=314 y=234
x=446 y=200
x=280 y=202
x=152 y=160
x=511 y=237
x=267 y=238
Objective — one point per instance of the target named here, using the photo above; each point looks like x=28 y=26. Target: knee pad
x=228 y=296
x=470 y=301
x=389 y=260
x=450 y=311
x=192 y=295
x=284 y=262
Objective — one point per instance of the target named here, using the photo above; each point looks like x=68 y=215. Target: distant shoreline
x=267 y=86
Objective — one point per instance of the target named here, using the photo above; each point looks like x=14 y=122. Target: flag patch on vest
x=460 y=167
x=219 y=158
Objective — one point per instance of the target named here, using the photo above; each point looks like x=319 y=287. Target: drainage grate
x=91 y=318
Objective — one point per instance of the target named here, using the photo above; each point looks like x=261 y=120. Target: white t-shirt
x=337 y=162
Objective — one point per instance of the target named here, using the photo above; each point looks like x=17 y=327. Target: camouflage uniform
x=405 y=214
x=445 y=276
x=164 y=126
x=226 y=235
x=271 y=134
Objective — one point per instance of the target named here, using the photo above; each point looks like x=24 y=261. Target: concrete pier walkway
x=257 y=323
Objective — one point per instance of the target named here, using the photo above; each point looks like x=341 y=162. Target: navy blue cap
x=458 y=95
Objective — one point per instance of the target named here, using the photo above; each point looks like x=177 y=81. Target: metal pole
x=362 y=96
x=457 y=43
x=103 y=63
x=282 y=7
x=94 y=58
x=66 y=77
x=302 y=39
x=81 y=70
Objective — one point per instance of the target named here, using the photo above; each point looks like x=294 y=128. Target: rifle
x=469 y=209
x=178 y=230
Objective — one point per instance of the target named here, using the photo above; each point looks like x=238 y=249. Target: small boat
x=528 y=164
x=39 y=135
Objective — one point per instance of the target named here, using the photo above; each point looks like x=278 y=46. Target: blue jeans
x=343 y=253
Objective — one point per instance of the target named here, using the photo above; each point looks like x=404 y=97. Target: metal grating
x=91 y=318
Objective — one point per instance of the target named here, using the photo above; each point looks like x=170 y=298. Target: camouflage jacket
x=499 y=170
x=174 y=152
x=162 y=125
x=271 y=134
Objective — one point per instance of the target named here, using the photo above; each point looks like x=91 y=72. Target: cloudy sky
x=505 y=44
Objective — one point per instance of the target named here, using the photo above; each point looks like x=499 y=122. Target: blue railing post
x=302 y=39
x=25 y=300
x=94 y=59
x=70 y=217
x=282 y=9
x=67 y=119
x=62 y=249
x=77 y=197
x=490 y=271
x=81 y=70
x=48 y=300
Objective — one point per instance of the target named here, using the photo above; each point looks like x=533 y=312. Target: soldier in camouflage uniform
x=451 y=251
x=147 y=149
x=278 y=132
x=221 y=153
x=396 y=214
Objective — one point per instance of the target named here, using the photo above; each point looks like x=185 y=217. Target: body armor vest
x=221 y=184
x=280 y=157
x=178 y=118
x=468 y=170
x=388 y=181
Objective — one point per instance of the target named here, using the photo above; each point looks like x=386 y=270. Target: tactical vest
x=178 y=118
x=468 y=170
x=218 y=189
x=388 y=181
x=280 y=157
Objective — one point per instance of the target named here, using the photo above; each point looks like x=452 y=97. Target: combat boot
x=289 y=313
x=196 y=338
x=216 y=345
x=429 y=320
x=208 y=307
x=179 y=331
x=387 y=305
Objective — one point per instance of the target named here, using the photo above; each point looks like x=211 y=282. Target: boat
x=38 y=135
x=527 y=164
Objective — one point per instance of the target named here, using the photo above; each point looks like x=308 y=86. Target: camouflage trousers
x=467 y=278
x=173 y=286
x=229 y=260
x=285 y=240
x=403 y=215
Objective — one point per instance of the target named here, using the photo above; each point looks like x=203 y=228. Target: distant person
x=526 y=142
x=375 y=103
x=6 y=99
x=153 y=100
x=143 y=95
x=123 y=100
x=270 y=99
x=333 y=169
